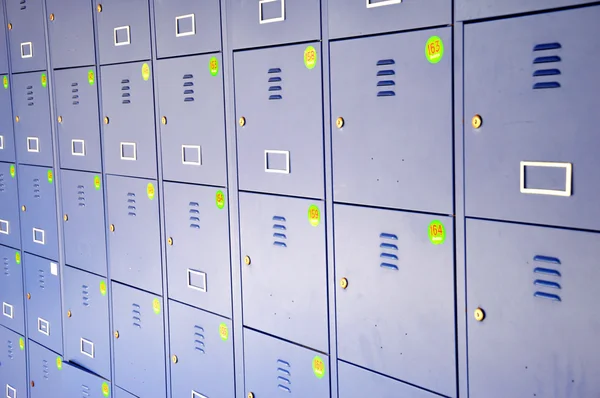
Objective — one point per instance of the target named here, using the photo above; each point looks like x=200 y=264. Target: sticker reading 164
x=310 y=57
x=318 y=367
x=314 y=215
x=437 y=232
x=434 y=49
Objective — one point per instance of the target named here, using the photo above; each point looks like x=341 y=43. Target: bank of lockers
x=13 y=365
x=10 y=232
x=12 y=296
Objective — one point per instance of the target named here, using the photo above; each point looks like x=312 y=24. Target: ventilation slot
x=386 y=82
x=75 y=92
x=45 y=370
x=388 y=255
x=80 y=195
x=126 y=92
x=546 y=279
x=284 y=376
x=194 y=215
x=275 y=85
x=279 y=231
x=85 y=295
x=36 y=188
x=136 y=315
x=131 y=210
x=42 y=278
x=85 y=391
x=10 y=350
x=188 y=90
x=2 y=185
x=30 y=96
x=545 y=72
x=6 y=266
x=199 y=339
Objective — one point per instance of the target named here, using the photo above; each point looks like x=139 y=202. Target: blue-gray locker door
x=530 y=119
x=284 y=269
x=128 y=106
x=139 y=349
x=185 y=27
x=134 y=240
x=478 y=9
x=45 y=372
x=80 y=383
x=33 y=130
x=7 y=137
x=3 y=47
x=532 y=311
x=13 y=364
x=26 y=35
x=86 y=328
x=42 y=284
x=78 y=121
x=274 y=367
x=201 y=353
x=360 y=17
x=71 y=33
x=12 y=293
x=392 y=121
x=10 y=231
x=198 y=262
x=83 y=221
x=123 y=30
x=395 y=294
x=280 y=120
x=39 y=226
x=191 y=104
x=267 y=22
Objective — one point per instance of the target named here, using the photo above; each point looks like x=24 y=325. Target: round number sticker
x=105 y=389
x=314 y=215
x=91 y=77
x=437 y=232
x=434 y=49
x=150 y=191
x=103 y=288
x=156 y=306
x=318 y=367
x=97 y=182
x=146 y=72
x=5 y=82
x=213 y=66
x=44 y=80
x=50 y=176
x=223 y=332
x=59 y=363
x=220 y=199
x=310 y=57
x=13 y=172
x=18 y=257
x=22 y=343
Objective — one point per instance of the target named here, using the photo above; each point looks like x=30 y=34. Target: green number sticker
x=318 y=367
x=91 y=77
x=220 y=199
x=310 y=57
x=434 y=49
x=13 y=171
x=103 y=288
x=59 y=363
x=156 y=306
x=437 y=232
x=50 y=176
x=150 y=191
x=44 y=80
x=213 y=66
x=145 y=72
x=223 y=332
x=314 y=215
x=105 y=389
x=5 y=82
x=22 y=343
x=18 y=257
x=97 y=182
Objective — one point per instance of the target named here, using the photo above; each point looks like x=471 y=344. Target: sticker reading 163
x=318 y=367
x=437 y=232
x=434 y=49
x=310 y=57
x=314 y=215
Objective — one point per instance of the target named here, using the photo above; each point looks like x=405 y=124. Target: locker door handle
x=553 y=192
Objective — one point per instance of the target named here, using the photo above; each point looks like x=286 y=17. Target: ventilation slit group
x=279 y=231
x=131 y=209
x=284 y=373
x=85 y=295
x=136 y=314
x=75 y=92
x=275 y=86
x=23 y=4
x=545 y=65
x=389 y=249
x=6 y=266
x=194 y=214
x=80 y=195
x=36 y=188
x=2 y=185
x=126 y=92
x=188 y=88
x=385 y=78
x=199 y=339
x=30 y=96
x=546 y=278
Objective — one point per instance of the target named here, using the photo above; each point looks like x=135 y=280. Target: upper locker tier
x=476 y=9
x=26 y=35
x=531 y=119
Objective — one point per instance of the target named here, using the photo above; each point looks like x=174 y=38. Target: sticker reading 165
x=434 y=49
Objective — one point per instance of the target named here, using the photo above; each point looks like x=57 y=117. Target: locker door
x=79 y=383
x=284 y=268
x=280 y=129
x=274 y=367
x=7 y=138
x=139 y=350
x=532 y=298
x=26 y=35
x=186 y=27
x=42 y=284
x=357 y=17
x=198 y=264
x=45 y=372
x=120 y=393
x=395 y=294
x=71 y=33
x=3 y=48
x=533 y=157
x=192 y=126
x=78 y=119
x=83 y=221
x=10 y=234
x=13 y=370
x=87 y=333
x=39 y=227
x=134 y=239
x=201 y=353
x=356 y=382
x=128 y=106
x=268 y=22
x=31 y=106
x=11 y=290
x=123 y=30
x=477 y=9
x=389 y=148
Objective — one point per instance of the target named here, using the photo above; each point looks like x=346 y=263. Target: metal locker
x=284 y=269
x=139 y=349
x=186 y=27
x=280 y=120
x=3 y=47
x=11 y=290
x=532 y=295
x=78 y=118
x=134 y=239
x=13 y=368
x=26 y=35
x=274 y=367
x=10 y=232
x=128 y=106
x=120 y=393
x=267 y=22
x=39 y=226
x=201 y=353
x=123 y=30
x=71 y=33
x=45 y=372
x=191 y=104
x=42 y=284
x=395 y=294
x=31 y=107
x=80 y=383
x=7 y=138
x=356 y=382
x=389 y=148
x=86 y=329
x=360 y=17
x=477 y=9
x=530 y=120
x=198 y=262
x=83 y=221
